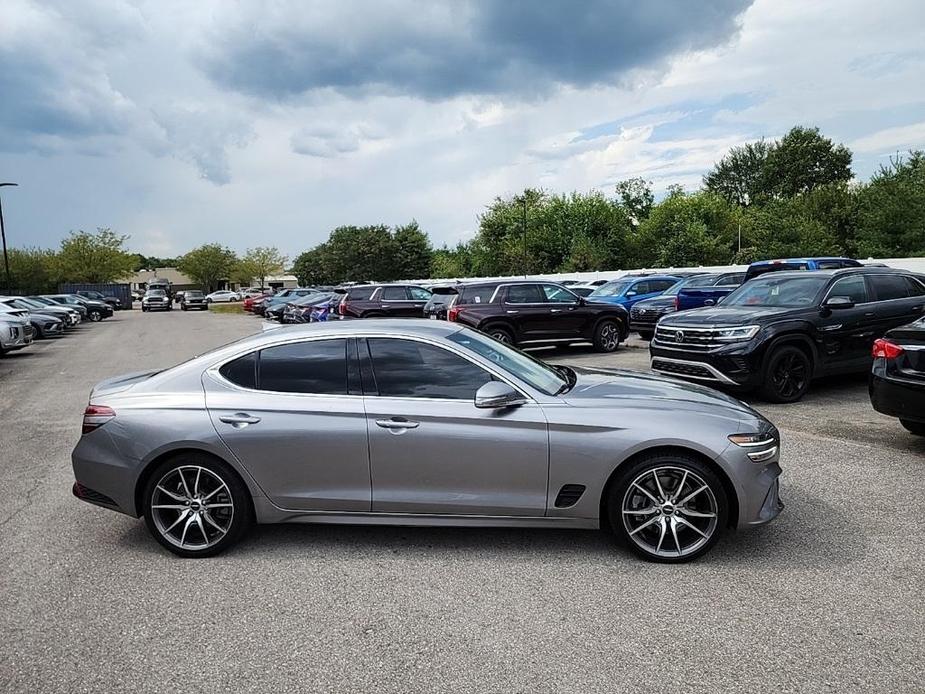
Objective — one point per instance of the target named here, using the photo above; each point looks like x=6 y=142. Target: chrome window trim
x=717 y=374
x=831 y=288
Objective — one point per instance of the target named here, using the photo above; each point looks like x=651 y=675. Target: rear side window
x=418 y=293
x=360 y=293
x=733 y=279
x=410 y=369
x=477 y=295
x=641 y=288
x=852 y=287
x=242 y=371
x=888 y=287
x=916 y=288
x=317 y=366
x=394 y=294
x=661 y=285
x=525 y=294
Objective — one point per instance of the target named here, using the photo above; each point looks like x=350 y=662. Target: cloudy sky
x=254 y=123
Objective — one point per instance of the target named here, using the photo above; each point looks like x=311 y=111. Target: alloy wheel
x=789 y=376
x=669 y=512
x=192 y=507
x=610 y=337
x=501 y=336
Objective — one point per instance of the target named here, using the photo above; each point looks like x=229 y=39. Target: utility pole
x=524 y=200
x=6 y=258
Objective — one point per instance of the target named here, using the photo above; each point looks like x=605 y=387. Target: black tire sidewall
x=243 y=511
x=637 y=467
x=646 y=335
x=493 y=330
x=767 y=388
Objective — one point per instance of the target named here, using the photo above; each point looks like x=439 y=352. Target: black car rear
x=441 y=300
x=897 y=378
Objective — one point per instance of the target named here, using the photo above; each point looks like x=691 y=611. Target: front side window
x=853 y=288
x=525 y=294
x=558 y=295
x=661 y=285
x=610 y=289
x=641 y=288
x=888 y=287
x=315 y=366
x=411 y=369
x=540 y=376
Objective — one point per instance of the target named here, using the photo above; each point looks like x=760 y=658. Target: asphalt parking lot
x=829 y=597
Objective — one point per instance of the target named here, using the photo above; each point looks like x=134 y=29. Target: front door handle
x=397 y=424
x=239 y=419
x=555 y=310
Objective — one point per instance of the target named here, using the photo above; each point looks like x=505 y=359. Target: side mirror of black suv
x=837 y=302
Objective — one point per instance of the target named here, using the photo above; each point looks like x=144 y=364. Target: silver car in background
x=16 y=331
x=415 y=422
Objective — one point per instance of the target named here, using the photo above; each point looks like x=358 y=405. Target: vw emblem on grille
x=679 y=336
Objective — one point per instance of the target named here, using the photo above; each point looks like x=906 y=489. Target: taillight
x=452 y=314
x=96 y=416
x=342 y=307
x=886 y=349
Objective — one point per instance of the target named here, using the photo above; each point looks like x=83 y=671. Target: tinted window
x=733 y=279
x=418 y=293
x=477 y=295
x=916 y=288
x=360 y=293
x=611 y=288
x=319 y=366
x=405 y=368
x=889 y=287
x=525 y=294
x=393 y=294
x=558 y=295
x=852 y=287
x=661 y=285
x=641 y=288
x=785 y=292
x=242 y=371
x=830 y=264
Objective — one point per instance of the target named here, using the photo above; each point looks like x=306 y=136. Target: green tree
x=208 y=265
x=785 y=228
x=312 y=267
x=96 y=257
x=891 y=215
x=636 y=197
x=33 y=270
x=263 y=261
x=803 y=160
x=413 y=252
x=741 y=177
x=451 y=263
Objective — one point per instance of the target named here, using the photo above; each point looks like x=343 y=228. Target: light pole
x=6 y=258
x=525 y=232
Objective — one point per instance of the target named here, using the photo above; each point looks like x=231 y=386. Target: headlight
x=760 y=447
x=739 y=332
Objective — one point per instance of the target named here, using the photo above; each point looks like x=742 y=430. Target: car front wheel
x=607 y=336
x=96 y=316
x=787 y=376
x=501 y=334
x=196 y=506
x=668 y=508
x=917 y=428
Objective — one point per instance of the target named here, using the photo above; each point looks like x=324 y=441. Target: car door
x=290 y=418
x=525 y=305
x=636 y=292
x=432 y=451
x=898 y=301
x=394 y=301
x=418 y=298
x=847 y=333
x=567 y=312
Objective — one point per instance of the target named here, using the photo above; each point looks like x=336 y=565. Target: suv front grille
x=687 y=338
x=637 y=313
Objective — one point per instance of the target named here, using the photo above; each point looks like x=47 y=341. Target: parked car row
x=27 y=318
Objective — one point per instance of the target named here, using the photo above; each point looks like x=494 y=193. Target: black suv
x=779 y=331
x=384 y=301
x=522 y=313
x=441 y=299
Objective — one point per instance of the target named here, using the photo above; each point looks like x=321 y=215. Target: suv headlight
x=735 y=334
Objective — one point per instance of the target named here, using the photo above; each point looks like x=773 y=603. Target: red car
x=251 y=301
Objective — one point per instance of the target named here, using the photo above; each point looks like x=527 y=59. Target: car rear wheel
x=646 y=335
x=607 y=335
x=501 y=334
x=787 y=375
x=208 y=301
x=668 y=508
x=196 y=506
x=95 y=315
x=917 y=428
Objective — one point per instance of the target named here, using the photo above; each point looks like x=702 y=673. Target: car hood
x=596 y=387
x=655 y=302
x=725 y=315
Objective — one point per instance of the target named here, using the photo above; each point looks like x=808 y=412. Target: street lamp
x=6 y=258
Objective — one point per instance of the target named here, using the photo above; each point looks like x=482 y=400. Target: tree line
x=790 y=197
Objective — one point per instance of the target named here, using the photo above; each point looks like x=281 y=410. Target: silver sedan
x=418 y=422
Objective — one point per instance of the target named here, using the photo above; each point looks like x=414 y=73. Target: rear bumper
x=897 y=397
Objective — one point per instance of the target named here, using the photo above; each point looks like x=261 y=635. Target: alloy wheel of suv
x=195 y=506
x=787 y=376
x=95 y=315
x=668 y=508
x=607 y=336
x=501 y=335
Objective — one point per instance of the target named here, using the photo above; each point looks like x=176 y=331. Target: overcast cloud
x=251 y=123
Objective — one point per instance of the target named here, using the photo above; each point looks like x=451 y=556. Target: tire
x=787 y=374
x=501 y=334
x=646 y=335
x=679 y=477
x=203 y=533
x=208 y=301
x=917 y=428
x=607 y=335
x=144 y=309
x=182 y=307
x=95 y=316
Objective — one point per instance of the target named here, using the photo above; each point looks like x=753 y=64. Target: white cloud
x=891 y=140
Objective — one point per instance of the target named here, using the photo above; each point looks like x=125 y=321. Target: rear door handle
x=555 y=310
x=239 y=419
x=397 y=424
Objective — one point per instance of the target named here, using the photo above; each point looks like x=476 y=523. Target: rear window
x=757 y=270
x=360 y=293
x=888 y=287
x=477 y=295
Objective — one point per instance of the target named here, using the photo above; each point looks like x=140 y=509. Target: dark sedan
x=897 y=379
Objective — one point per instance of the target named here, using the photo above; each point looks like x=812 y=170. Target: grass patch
x=226 y=308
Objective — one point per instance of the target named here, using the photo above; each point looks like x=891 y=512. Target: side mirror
x=630 y=293
x=836 y=302
x=496 y=395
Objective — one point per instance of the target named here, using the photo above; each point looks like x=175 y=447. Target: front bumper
x=757 y=486
x=160 y=306
x=16 y=337
x=736 y=365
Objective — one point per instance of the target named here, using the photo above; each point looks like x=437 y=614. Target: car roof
x=834 y=272
x=806 y=259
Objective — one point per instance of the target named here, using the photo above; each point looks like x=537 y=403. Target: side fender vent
x=569 y=495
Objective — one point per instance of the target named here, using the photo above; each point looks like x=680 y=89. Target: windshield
x=611 y=288
x=698 y=281
x=783 y=292
x=28 y=303
x=529 y=370
x=192 y=292
x=156 y=292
